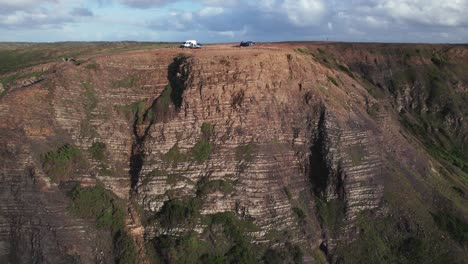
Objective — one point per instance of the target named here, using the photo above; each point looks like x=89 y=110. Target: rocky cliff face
x=289 y=153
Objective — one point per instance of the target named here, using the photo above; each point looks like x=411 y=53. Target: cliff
x=292 y=152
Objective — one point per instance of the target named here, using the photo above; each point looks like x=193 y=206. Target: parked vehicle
x=191 y=44
x=247 y=43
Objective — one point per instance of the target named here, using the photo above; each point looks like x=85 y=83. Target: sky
x=209 y=21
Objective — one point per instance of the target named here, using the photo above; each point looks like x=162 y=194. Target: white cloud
x=428 y=12
x=144 y=3
x=211 y=11
x=304 y=12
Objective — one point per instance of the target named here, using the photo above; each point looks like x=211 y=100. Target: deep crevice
x=177 y=75
x=319 y=170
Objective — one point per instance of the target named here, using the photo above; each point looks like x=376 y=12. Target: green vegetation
x=319 y=257
x=302 y=51
x=17 y=56
x=345 y=70
x=235 y=229
x=98 y=151
x=92 y=100
x=174 y=156
x=92 y=66
x=202 y=150
x=99 y=205
x=127 y=82
x=395 y=239
x=134 y=110
x=161 y=106
x=6 y=81
x=299 y=214
x=357 y=154
x=223 y=241
x=60 y=164
x=179 y=212
x=174 y=178
x=246 y=152
x=439 y=59
x=331 y=214
x=206 y=186
x=457 y=228
x=290 y=254
x=125 y=251
x=182 y=249
x=207 y=130
x=450 y=153
x=331 y=79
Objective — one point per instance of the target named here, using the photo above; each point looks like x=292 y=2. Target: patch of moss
x=127 y=82
x=173 y=178
x=457 y=228
x=357 y=154
x=439 y=59
x=174 y=156
x=332 y=80
x=345 y=70
x=6 y=81
x=134 y=111
x=161 y=106
x=395 y=239
x=60 y=164
x=319 y=257
x=299 y=213
x=91 y=96
x=97 y=204
x=206 y=186
x=202 y=150
x=331 y=214
x=98 y=151
x=179 y=212
x=207 y=130
x=233 y=228
x=187 y=248
x=91 y=66
x=289 y=254
x=301 y=51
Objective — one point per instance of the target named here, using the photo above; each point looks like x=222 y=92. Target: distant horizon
x=233 y=42
x=230 y=21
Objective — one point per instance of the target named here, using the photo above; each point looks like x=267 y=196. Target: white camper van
x=192 y=44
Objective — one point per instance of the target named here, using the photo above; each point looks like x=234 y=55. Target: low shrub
x=178 y=212
x=60 y=164
x=454 y=226
x=98 y=151
x=174 y=156
x=331 y=214
x=202 y=150
x=332 y=80
x=207 y=130
x=97 y=204
x=206 y=186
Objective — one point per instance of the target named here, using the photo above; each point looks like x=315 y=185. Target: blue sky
x=436 y=21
